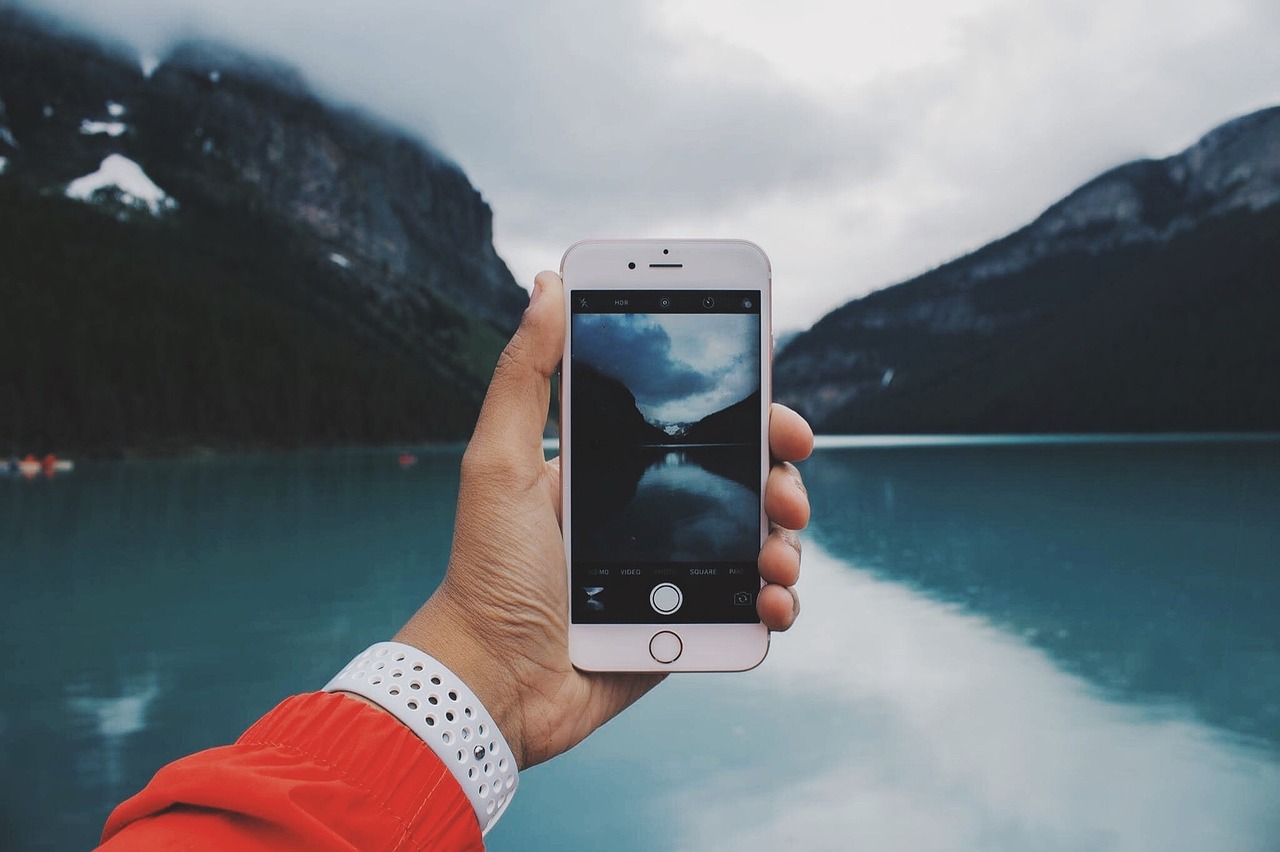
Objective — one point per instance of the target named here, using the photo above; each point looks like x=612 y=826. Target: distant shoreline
x=821 y=441
x=133 y=454
x=1028 y=438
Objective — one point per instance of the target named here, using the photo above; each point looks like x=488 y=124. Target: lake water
x=1005 y=645
x=682 y=514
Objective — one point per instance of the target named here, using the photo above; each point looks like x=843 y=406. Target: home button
x=665 y=647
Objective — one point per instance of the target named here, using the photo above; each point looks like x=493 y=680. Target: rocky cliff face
x=215 y=184
x=227 y=126
x=1109 y=277
x=1235 y=167
x=403 y=220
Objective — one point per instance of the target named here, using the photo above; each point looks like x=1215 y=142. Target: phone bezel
x=703 y=264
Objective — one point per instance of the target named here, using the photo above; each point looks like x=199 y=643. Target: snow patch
x=215 y=76
x=47 y=111
x=149 y=65
x=886 y=378
x=114 y=109
x=340 y=260
x=127 y=177
x=4 y=164
x=95 y=128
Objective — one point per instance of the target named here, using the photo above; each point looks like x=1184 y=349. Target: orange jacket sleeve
x=321 y=772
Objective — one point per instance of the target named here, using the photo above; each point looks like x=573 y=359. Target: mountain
x=605 y=412
x=1146 y=300
x=738 y=423
x=202 y=252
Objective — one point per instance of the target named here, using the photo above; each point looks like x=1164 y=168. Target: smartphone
x=664 y=395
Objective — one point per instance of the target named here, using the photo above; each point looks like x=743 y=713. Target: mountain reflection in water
x=686 y=504
x=1149 y=568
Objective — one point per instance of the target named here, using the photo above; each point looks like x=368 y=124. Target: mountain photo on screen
x=666 y=437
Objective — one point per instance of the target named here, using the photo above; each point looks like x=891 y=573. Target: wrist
x=445 y=713
x=437 y=629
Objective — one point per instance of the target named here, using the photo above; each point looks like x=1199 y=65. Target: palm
x=524 y=561
x=500 y=618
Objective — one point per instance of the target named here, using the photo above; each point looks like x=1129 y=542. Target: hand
x=500 y=618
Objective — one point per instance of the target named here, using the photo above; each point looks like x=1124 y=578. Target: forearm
x=320 y=771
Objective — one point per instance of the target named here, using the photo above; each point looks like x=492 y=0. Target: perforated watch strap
x=437 y=706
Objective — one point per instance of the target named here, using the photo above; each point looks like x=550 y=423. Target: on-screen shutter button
x=665 y=598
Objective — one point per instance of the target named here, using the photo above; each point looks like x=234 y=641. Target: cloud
x=564 y=104
x=637 y=352
x=858 y=146
x=575 y=119
x=680 y=367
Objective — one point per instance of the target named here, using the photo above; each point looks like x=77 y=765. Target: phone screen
x=665 y=490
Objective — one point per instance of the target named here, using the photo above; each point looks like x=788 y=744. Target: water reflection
x=1147 y=568
x=914 y=726
x=696 y=503
x=112 y=718
x=709 y=516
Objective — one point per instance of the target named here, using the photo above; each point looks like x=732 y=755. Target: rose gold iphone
x=664 y=452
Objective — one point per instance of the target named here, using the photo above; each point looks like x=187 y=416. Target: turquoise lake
x=1055 y=644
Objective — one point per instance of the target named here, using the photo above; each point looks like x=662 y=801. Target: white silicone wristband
x=438 y=707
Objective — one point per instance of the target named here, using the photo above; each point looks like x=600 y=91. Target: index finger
x=790 y=438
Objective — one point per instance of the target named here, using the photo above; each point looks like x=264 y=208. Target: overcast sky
x=679 y=367
x=858 y=143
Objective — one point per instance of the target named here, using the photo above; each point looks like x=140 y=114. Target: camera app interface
x=666 y=456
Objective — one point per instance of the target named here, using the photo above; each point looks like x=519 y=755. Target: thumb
x=509 y=430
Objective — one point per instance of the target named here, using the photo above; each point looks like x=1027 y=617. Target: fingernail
x=537 y=292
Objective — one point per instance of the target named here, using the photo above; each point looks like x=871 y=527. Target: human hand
x=500 y=618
